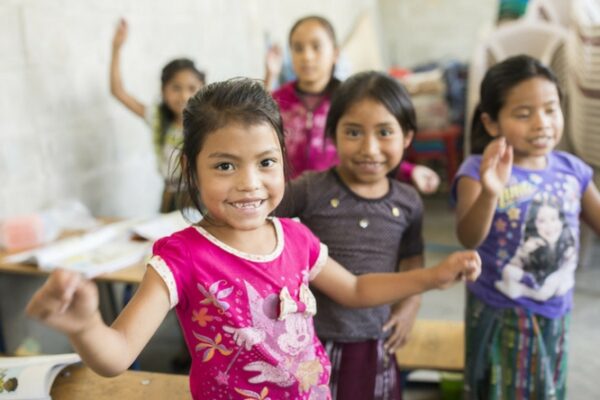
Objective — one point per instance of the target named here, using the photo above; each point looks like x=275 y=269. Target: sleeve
x=405 y=170
x=151 y=115
x=169 y=258
x=412 y=242
x=295 y=197
x=469 y=168
x=584 y=173
x=318 y=253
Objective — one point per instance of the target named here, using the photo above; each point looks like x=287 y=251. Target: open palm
x=496 y=166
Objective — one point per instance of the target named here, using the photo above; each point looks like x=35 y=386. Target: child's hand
x=425 y=179
x=461 y=265
x=401 y=320
x=66 y=302
x=120 y=34
x=496 y=165
x=274 y=62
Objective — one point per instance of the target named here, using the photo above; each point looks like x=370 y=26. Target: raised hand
x=273 y=65
x=496 y=165
x=461 y=265
x=66 y=302
x=120 y=34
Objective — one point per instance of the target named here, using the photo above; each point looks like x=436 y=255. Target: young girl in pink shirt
x=238 y=279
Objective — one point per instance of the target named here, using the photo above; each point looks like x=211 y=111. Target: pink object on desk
x=21 y=232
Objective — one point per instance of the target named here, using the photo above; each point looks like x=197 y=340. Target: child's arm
x=371 y=290
x=590 y=207
x=116 y=86
x=69 y=303
x=404 y=313
x=477 y=200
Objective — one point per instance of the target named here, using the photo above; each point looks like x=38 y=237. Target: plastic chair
x=541 y=40
x=552 y=11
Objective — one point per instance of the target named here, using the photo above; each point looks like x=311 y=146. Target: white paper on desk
x=33 y=376
x=161 y=226
x=101 y=251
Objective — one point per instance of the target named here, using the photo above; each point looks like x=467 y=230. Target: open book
x=100 y=251
x=31 y=378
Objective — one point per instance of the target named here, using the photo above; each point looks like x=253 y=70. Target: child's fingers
x=472 y=267
x=55 y=295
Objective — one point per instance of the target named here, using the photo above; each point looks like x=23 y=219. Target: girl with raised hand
x=238 y=279
x=519 y=204
x=180 y=80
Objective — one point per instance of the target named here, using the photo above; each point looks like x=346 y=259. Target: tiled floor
x=584 y=370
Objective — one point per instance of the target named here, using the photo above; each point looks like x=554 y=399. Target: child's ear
x=490 y=125
x=408 y=138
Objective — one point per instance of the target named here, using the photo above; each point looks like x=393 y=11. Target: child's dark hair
x=496 y=84
x=379 y=87
x=324 y=22
x=237 y=100
x=166 y=115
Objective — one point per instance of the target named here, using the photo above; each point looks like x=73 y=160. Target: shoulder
x=177 y=242
x=470 y=167
x=405 y=191
x=296 y=233
x=285 y=93
x=151 y=113
x=569 y=160
x=312 y=178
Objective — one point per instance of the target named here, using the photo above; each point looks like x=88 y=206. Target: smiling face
x=240 y=175
x=548 y=224
x=531 y=120
x=313 y=55
x=178 y=90
x=370 y=143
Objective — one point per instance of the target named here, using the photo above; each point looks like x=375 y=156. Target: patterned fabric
x=351 y=364
x=363 y=235
x=530 y=255
x=307 y=147
x=227 y=306
x=514 y=354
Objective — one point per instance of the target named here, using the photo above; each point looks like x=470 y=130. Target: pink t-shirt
x=229 y=306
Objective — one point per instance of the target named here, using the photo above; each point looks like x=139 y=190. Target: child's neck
x=531 y=162
x=259 y=241
x=367 y=190
x=312 y=87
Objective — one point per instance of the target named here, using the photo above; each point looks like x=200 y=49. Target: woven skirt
x=512 y=354
x=363 y=370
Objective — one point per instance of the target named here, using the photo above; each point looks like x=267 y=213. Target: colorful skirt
x=363 y=370
x=514 y=354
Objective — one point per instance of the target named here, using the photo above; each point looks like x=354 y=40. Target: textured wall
x=63 y=135
x=419 y=31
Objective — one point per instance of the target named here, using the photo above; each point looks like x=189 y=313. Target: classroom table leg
x=2 y=343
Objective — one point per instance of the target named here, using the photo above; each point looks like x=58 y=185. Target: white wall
x=61 y=133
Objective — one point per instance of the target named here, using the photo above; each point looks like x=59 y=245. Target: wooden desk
x=78 y=382
x=434 y=345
